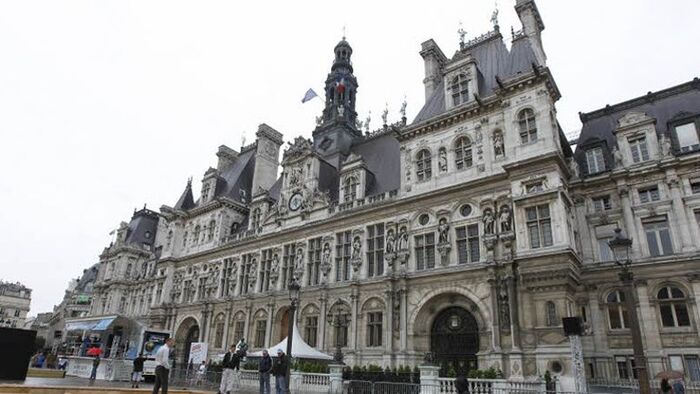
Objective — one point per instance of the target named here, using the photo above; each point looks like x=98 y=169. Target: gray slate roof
x=383 y=159
x=142 y=228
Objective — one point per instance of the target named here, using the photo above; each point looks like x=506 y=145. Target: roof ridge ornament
x=462 y=34
x=494 y=16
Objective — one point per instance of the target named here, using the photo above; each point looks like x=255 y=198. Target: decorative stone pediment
x=299 y=148
x=634 y=118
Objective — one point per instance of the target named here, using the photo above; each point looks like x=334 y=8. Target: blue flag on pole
x=309 y=95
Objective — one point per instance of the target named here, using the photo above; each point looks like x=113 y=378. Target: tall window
x=695 y=186
x=603 y=235
x=219 y=332
x=672 y=307
x=463 y=153
x=227 y=279
x=196 y=234
x=255 y=219
x=374 y=329
x=260 y=327
x=687 y=137
x=638 y=147
x=265 y=267
x=375 y=250
x=238 y=329
x=205 y=192
x=350 y=189
x=527 y=125
x=423 y=165
x=602 y=203
x=311 y=330
x=314 y=264
x=210 y=232
x=247 y=264
x=460 y=90
x=649 y=194
x=551 y=317
x=202 y=288
x=425 y=251
x=595 y=160
x=288 y=263
x=658 y=236
x=468 y=244
x=617 y=310
x=539 y=226
x=343 y=252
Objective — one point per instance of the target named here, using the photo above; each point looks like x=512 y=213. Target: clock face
x=295 y=201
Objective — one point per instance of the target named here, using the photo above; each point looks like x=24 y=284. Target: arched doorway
x=454 y=340
x=186 y=334
x=192 y=336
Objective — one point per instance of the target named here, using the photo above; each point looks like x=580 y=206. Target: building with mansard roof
x=467 y=233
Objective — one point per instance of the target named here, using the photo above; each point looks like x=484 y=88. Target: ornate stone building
x=15 y=299
x=468 y=233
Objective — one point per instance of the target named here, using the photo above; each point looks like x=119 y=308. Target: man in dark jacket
x=137 y=373
x=279 y=369
x=462 y=384
x=264 y=369
x=231 y=363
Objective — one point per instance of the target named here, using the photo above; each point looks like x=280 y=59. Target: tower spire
x=341 y=87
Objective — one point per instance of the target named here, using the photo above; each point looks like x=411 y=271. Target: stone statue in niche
x=488 y=221
x=408 y=165
x=498 y=145
x=341 y=111
x=253 y=275
x=298 y=264
x=617 y=156
x=504 y=219
x=390 y=245
x=504 y=304
x=665 y=146
x=403 y=239
x=275 y=267
x=573 y=167
x=442 y=159
x=356 y=248
x=326 y=259
x=443 y=232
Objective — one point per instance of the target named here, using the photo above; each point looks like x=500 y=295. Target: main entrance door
x=192 y=336
x=454 y=340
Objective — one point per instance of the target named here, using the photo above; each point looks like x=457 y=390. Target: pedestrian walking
x=95 y=364
x=163 y=367
x=678 y=387
x=264 y=369
x=462 y=384
x=40 y=359
x=279 y=369
x=231 y=365
x=137 y=372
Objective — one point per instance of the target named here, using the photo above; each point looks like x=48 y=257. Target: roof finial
x=189 y=182
x=343 y=32
x=369 y=118
x=385 y=113
x=403 y=107
x=494 y=17
x=462 y=33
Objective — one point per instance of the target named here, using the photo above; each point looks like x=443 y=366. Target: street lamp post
x=338 y=321
x=620 y=247
x=294 y=298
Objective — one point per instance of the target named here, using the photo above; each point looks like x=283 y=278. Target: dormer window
x=423 y=165
x=638 y=148
x=527 y=125
x=460 y=90
x=350 y=189
x=206 y=188
x=463 y=153
x=687 y=136
x=595 y=160
x=255 y=219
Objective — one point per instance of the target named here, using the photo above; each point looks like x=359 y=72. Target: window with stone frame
x=539 y=226
x=340 y=331
x=686 y=136
x=374 y=329
x=288 y=257
x=196 y=234
x=205 y=191
x=463 y=153
x=658 y=236
x=343 y=253
x=692 y=366
x=595 y=160
x=314 y=263
x=350 y=189
x=695 y=186
x=227 y=279
x=219 y=332
x=265 y=268
x=602 y=203
x=202 y=288
x=551 y=315
x=248 y=261
x=255 y=219
x=159 y=292
x=617 y=310
x=468 y=244
x=311 y=330
x=527 y=126
x=638 y=149
x=375 y=250
x=648 y=194
x=184 y=240
x=210 y=230
x=459 y=89
x=425 y=251
x=673 y=307
x=260 y=328
x=189 y=291
x=626 y=367
x=424 y=165
x=238 y=330
x=603 y=235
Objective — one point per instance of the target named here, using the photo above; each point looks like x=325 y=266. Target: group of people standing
x=278 y=368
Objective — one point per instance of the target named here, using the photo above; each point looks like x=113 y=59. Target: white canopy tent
x=299 y=348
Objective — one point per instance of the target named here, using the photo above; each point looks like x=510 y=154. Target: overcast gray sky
x=107 y=105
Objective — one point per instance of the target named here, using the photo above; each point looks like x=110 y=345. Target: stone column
x=679 y=213
x=353 y=337
x=246 y=325
x=429 y=383
x=649 y=327
x=404 y=318
x=204 y=330
x=514 y=316
x=389 y=322
x=323 y=301
x=227 y=323
x=597 y=321
x=630 y=223
x=495 y=329
x=268 y=331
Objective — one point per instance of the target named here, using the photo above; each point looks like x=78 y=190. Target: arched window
x=255 y=219
x=551 y=310
x=210 y=234
x=463 y=153
x=460 y=90
x=195 y=235
x=617 y=310
x=350 y=189
x=127 y=274
x=234 y=228
x=423 y=165
x=528 y=127
x=672 y=307
x=219 y=332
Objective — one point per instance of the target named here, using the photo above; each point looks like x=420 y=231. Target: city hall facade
x=468 y=233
